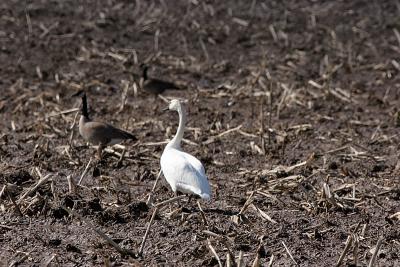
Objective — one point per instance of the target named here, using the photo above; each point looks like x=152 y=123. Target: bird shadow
x=210 y=211
x=221 y=211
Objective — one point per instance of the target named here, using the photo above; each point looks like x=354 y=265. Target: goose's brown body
x=155 y=86
x=99 y=133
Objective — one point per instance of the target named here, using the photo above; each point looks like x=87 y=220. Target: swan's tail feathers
x=205 y=196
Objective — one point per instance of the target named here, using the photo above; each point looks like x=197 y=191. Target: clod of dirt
x=317 y=234
x=59 y=213
x=282 y=174
x=163 y=234
x=209 y=262
x=111 y=216
x=243 y=247
x=382 y=255
x=263 y=252
x=379 y=167
x=333 y=165
x=36 y=208
x=395 y=195
x=68 y=201
x=94 y=205
x=207 y=160
x=72 y=248
x=136 y=209
x=118 y=240
x=54 y=242
x=12 y=189
x=96 y=172
x=18 y=177
x=186 y=210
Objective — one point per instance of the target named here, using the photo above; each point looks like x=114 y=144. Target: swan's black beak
x=79 y=93
x=165 y=109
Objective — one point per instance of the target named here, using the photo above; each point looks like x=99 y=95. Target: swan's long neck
x=176 y=141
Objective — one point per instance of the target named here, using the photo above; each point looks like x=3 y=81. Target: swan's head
x=175 y=104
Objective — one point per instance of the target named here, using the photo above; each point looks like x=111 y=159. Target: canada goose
x=154 y=86
x=99 y=133
x=183 y=172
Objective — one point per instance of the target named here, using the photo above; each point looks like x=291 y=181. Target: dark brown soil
x=320 y=157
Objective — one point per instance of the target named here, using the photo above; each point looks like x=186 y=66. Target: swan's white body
x=182 y=171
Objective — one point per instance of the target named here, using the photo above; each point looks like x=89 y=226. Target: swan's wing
x=195 y=163
x=185 y=173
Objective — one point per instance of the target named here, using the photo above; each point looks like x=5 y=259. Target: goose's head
x=84 y=109
x=144 y=69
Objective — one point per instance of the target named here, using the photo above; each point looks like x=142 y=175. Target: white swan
x=182 y=171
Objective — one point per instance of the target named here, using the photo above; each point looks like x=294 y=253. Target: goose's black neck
x=144 y=75
x=84 y=107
